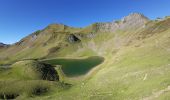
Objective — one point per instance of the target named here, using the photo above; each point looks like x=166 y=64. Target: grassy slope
x=28 y=79
x=136 y=66
x=55 y=35
x=139 y=70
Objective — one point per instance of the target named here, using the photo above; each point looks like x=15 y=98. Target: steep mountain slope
x=38 y=44
x=61 y=40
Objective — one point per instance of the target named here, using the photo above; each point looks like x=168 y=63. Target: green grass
x=29 y=78
x=122 y=75
x=30 y=70
x=136 y=66
x=21 y=89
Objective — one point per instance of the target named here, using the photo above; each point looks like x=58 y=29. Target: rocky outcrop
x=72 y=38
x=133 y=21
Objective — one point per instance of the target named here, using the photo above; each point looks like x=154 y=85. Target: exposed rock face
x=134 y=20
x=72 y=38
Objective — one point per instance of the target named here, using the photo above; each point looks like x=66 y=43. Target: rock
x=72 y=38
x=34 y=37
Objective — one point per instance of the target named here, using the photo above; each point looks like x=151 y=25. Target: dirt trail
x=157 y=94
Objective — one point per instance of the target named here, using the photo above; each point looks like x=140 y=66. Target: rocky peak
x=132 y=21
x=135 y=16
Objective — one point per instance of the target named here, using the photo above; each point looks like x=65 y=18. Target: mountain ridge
x=61 y=27
x=134 y=20
x=57 y=38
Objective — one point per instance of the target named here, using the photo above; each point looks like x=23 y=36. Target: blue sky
x=18 y=18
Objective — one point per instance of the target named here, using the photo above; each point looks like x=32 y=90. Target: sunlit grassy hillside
x=135 y=65
x=139 y=70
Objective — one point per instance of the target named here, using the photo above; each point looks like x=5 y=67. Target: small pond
x=76 y=67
